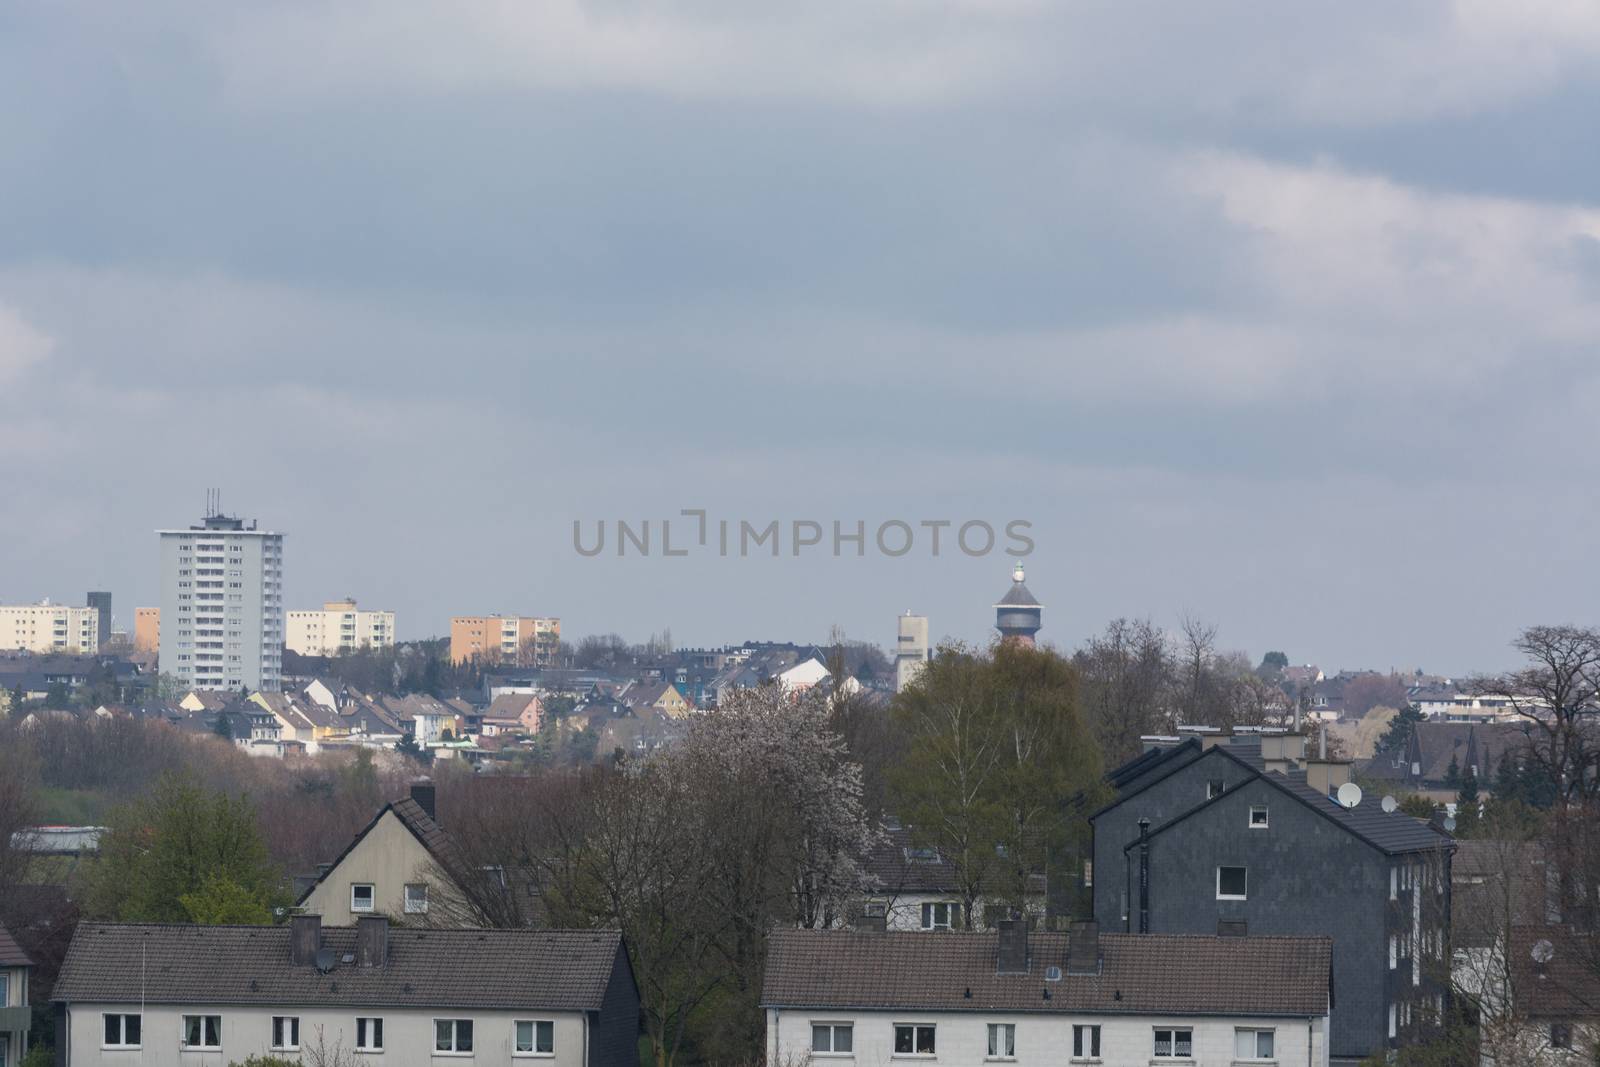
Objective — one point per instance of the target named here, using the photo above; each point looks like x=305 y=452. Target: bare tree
x=1126 y=674
x=1558 y=692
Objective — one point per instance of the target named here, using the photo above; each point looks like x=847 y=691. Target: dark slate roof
x=552 y=970
x=1140 y=974
x=1018 y=597
x=893 y=867
x=11 y=954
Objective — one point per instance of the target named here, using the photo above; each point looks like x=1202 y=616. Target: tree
x=407 y=746
x=19 y=810
x=223 y=726
x=1398 y=735
x=169 y=843
x=1452 y=773
x=1273 y=664
x=1467 y=807
x=1125 y=675
x=1372 y=690
x=1558 y=692
x=57 y=698
x=220 y=901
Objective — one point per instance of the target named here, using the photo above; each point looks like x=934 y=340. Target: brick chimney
x=305 y=937
x=372 y=941
x=1327 y=775
x=422 y=793
x=872 y=924
x=1083 y=948
x=1013 y=955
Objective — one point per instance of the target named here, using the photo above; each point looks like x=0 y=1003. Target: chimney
x=372 y=941
x=1144 y=876
x=1327 y=775
x=1233 y=928
x=305 y=937
x=872 y=924
x=422 y=793
x=1083 y=948
x=1013 y=955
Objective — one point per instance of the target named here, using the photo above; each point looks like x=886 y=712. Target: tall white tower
x=222 y=605
x=911 y=649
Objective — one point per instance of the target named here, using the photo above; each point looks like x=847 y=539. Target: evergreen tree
x=1467 y=807
x=1452 y=774
x=1400 y=728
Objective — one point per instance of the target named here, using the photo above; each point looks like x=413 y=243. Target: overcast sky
x=1284 y=316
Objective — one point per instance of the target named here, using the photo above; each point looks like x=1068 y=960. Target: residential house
x=177 y=995
x=402 y=864
x=1045 y=999
x=1243 y=834
x=914 y=887
x=664 y=697
x=199 y=700
x=1424 y=765
x=513 y=713
x=16 y=1014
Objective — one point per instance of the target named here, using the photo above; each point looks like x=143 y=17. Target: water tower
x=1017 y=616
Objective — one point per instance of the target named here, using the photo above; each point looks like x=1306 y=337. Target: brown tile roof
x=1566 y=986
x=553 y=970
x=439 y=845
x=1150 y=974
x=11 y=954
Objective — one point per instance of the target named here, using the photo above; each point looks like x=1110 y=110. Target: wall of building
x=146 y=629
x=15 y=1016
x=614 y=1036
x=50 y=628
x=387 y=858
x=338 y=627
x=408 y=1035
x=1041 y=1040
x=520 y=639
x=251 y=573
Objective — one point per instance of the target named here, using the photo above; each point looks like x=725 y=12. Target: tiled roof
x=553 y=970
x=1565 y=986
x=895 y=867
x=1166 y=974
x=11 y=954
x=439 y=845
x=1393 y=832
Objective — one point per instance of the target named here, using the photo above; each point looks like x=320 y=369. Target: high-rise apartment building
x=146 y=629
x=338 y=628
x=222 y=605
x=101 y=602
x=47 y=627
x=911 y=649
x=511 y=639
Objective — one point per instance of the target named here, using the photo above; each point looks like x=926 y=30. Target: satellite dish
x=1543 y=951
x=1349 y=795
x=1449 y=824
x=325 y=959
x=1389 y=805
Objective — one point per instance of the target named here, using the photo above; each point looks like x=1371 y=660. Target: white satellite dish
x=1543 y=951
x=1349 y=795
x=1389 y=805
x=1449 y=824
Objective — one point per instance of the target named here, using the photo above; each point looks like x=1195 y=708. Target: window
x=1214 y=788
x=1086 y=1042
x=361 y=897
x=123 y=1031
x=1560 y=1035
x=940 y=916
x=834 y=1038
x=1002 y=1041
x=452 y=1035
x=913 y=1040
x=1174 y=1044
x=202 y=1031
x=1394 y=883
x=536 y=1038
x=416 y=898
x=1252 y=1044
x=369 y=1034
x=1231 y=883
x=286 y=1032
x=1258 y=817
x=1391 y=1020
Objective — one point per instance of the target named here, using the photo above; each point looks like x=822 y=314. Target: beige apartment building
x=338 y=628
x=146 y=629
x=512 y=639
x=47 y=627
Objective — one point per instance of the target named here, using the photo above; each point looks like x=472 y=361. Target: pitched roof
x=1140 y=974
x=1565 y=986
x=895 y=865
x=553 y=970
x=439 y=845
x=1018 y=597
x=11 y=954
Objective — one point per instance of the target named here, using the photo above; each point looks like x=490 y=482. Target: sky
x=1284 y=317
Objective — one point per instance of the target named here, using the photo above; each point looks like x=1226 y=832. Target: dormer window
x=922 y=854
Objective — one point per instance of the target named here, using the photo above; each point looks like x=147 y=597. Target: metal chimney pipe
x=1144 y=876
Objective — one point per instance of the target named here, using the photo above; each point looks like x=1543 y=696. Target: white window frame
x=1085 y=1034
x=418 y=907
x=1215 y=787
x=1262 y=809
x=533 y=1038
x=455 y=1048
x=1001 y=1035
x=1233 y=896
x=1172 y=1052
x=122 y=1029
x=1255 y=1033
x=203 y=1046
x=929 y=914
x=285 y=1026
x=833 y=1027
x=369 y=1033
x=372 y=892
x=916 y=1029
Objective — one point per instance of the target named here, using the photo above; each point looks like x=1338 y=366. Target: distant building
x=222 y=604
x=101 y=602
x=146 y=629
x=1018 y=615
x=47 y=627
x=522 y=640
x=911 y=649
x=167 y=994
x=338 y=628
x=1046 y=999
